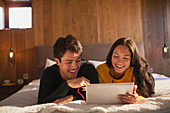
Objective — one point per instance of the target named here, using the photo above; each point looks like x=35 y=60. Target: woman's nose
x=119 y=60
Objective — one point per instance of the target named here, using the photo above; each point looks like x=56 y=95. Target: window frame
x=8 y=4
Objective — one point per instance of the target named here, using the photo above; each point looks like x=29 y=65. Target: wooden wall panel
x=154 y=35
x=77 y=17
x=4 y=49
x=119 y=18
x=29 y=45
x=1 y=3
x=166 y=62
x=37 y=19
x=20 y=52
x=12 y=69
x=92 y=22
x=47 y=22
x=6 y=71
x=168 y=18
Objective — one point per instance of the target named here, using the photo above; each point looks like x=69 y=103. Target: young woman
x=125 y=64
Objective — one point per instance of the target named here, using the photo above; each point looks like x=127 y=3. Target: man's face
x=69 y=65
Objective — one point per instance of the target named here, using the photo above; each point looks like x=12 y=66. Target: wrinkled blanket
x=160 y=103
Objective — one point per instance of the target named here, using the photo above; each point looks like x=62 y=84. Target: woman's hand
x=130 y=98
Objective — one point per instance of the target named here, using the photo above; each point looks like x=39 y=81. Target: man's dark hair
x=66 y=43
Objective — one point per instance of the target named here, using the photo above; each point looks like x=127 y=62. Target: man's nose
x=74 y=65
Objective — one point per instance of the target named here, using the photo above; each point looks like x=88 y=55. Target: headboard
x=90 y=52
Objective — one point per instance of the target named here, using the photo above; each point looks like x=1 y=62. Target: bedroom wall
x=1 y=3
x=92 y=22
x=153 y=34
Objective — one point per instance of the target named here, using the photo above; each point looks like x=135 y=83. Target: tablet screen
x=106 y=93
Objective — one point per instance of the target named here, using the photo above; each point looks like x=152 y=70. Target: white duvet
x=24 y=101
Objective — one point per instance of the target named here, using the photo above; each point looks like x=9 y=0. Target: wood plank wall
x=153 y=34
x=1 y=3
x=92 y=22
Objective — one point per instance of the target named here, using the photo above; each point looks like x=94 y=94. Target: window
x=18 y=14
x=20 y=17
x=1 y=18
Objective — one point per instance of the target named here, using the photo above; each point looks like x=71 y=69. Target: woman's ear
x=57 y=60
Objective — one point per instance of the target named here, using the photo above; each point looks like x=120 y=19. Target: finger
x=83 y=88
x=85 y=82
x=135 y=88
x=132 y=95
x=128 y=96
x=122 y=96
x=127 y=99
x=85 y=79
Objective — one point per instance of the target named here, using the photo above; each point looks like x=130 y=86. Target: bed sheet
x=24 y=97
x=25 y=101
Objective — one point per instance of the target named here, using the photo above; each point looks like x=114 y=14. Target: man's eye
x=68 y=62
x=78 y=60
x=126 y=58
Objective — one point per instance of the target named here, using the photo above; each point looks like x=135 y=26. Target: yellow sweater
x=104 y=76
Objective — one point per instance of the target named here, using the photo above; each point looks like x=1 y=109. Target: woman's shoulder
x=131 y=68
x=102 y=66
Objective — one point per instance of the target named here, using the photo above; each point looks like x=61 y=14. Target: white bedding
x=24 y=101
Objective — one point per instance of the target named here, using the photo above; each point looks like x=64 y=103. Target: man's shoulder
x=86 y=64
x=52 y=67
x=50 y=70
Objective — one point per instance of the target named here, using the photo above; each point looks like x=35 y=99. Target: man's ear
x=57 y=60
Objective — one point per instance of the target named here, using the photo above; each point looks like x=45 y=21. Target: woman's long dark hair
x=143 y=78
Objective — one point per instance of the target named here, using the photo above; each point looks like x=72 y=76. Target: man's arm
x=48 y=91
x=64 y=100
x=51 y=87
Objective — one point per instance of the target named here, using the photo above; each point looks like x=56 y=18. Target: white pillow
x=49 y=63
x=96 y=63
x=157 y=76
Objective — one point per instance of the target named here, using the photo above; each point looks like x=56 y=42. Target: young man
x=64 y=81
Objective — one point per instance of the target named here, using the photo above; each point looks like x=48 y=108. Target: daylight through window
x=20 y=17
x=1 y=18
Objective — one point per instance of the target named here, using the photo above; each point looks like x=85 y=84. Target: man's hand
x=64 y=100
x=78 y=82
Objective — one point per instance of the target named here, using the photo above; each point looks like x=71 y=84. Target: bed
x=25 y=100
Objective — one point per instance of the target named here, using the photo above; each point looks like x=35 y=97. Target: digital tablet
x=106 y=93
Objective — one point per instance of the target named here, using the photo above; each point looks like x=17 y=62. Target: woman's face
x=121 y=58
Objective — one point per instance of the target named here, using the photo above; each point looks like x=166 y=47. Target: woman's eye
x=115 y=56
